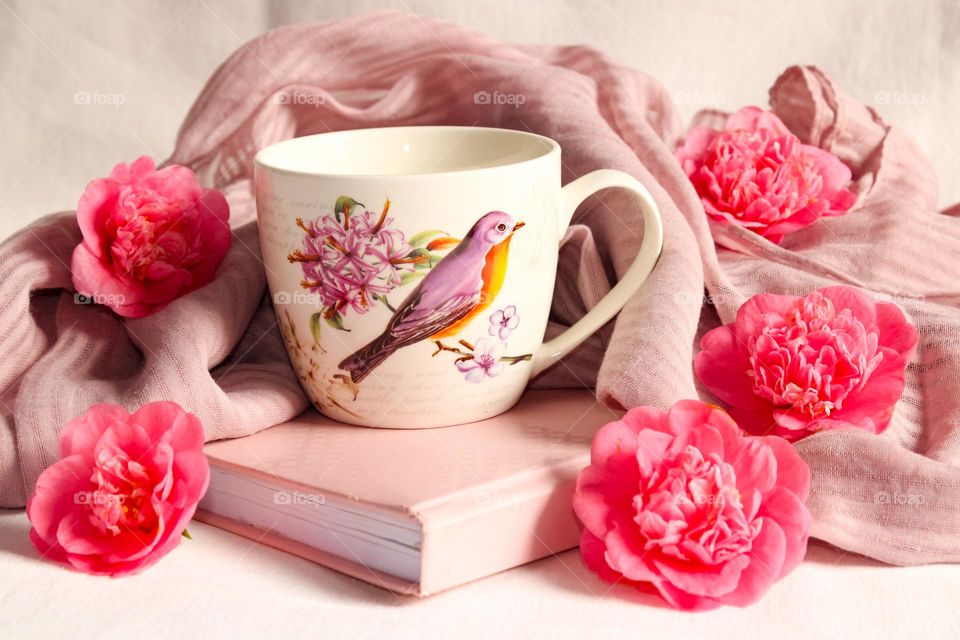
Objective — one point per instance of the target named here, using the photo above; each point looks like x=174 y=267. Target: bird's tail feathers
x=368 y=358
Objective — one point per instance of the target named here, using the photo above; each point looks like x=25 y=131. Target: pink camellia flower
x=757 y=174
x=682 y=503
x=148 y=237
x=792 y=366
x=124 y=489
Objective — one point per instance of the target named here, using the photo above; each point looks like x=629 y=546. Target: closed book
x=414 y=511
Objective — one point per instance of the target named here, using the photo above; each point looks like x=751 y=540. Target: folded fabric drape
x=217 y=351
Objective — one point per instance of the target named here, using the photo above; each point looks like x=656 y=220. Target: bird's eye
x=501 y=227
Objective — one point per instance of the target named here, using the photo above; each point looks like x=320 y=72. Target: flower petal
x=790 y=513
x=168 y=421
x=58 y=492
x=604 y=495
x=895 y=332
x=592 y=550
x=765 y=567
x=754 y=314
x=755 y=466
x=81 y=435
x=476 y=375
x=691 y=151
x=859 y=303
x=751 y=118
x=682 y=600
x=722 y=369
x=466 y=365
x=92 y=278
x=871 y=407
x=625 y=554
x=793 y=474
x=93 y=212
x=703 y=580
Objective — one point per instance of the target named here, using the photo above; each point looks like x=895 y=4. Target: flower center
x=121 y=499
x=760 y=167
x=813 y=358
x=353 y=265
x=485 y=360
x=690 y=509
x=149 y=237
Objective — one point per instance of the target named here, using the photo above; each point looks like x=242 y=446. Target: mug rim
x=552 y=148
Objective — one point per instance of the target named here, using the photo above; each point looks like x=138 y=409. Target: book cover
x=415 y=511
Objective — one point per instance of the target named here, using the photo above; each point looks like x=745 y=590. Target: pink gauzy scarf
x=218 y=352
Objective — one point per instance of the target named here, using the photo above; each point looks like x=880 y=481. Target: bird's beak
x=518 y=225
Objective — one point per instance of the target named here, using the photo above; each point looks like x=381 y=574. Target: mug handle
x=573 y=194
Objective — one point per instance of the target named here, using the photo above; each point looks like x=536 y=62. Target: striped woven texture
x=217 y=351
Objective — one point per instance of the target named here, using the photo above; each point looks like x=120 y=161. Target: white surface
x=153 y=58
x=221 y=585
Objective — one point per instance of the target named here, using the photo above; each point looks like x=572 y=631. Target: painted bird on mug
x=459 y=287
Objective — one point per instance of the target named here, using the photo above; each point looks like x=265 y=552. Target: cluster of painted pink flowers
x=351 y=262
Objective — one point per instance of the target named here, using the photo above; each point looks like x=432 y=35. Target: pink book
x=413 y=511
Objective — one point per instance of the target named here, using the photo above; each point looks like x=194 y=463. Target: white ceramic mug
x=412 y=268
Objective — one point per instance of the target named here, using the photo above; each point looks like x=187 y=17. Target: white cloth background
x=155 y=57
x=84 y=85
